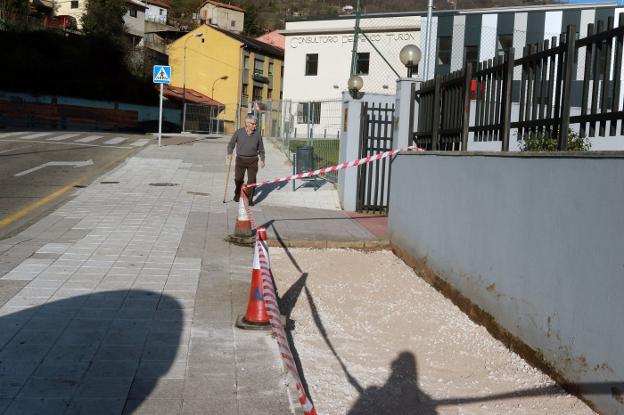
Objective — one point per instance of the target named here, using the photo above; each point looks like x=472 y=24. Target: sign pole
x=161 y=75
x=160 y=116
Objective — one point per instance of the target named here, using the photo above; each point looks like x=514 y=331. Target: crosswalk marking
x=140 y=143
x=88 y=139
x=62 y=137
x=3 y=135
x=116 y=140
x=36 y=135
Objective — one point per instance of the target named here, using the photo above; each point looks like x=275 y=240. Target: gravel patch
x=373 y=338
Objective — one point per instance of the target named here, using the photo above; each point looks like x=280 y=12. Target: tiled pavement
x=123 y=299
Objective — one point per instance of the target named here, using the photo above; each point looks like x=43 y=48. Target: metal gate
x=376 y=128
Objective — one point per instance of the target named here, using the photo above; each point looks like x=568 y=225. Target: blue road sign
x=162 y=74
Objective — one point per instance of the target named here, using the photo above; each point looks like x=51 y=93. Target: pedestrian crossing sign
x=162 y=74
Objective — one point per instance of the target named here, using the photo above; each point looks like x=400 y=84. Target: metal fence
x=481 y=103
x=207 y=119
x=292 y=124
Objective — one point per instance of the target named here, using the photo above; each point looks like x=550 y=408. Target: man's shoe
x=251 y=203
x=236 y=198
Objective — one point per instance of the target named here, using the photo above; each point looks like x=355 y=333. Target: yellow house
x=229 y=68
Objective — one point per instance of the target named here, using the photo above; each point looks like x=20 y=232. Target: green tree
x=11 y=10
x=104 y=18
x=252 y=26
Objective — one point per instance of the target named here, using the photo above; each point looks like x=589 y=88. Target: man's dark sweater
x=247 y=146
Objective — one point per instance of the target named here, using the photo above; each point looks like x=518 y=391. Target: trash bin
x=304 y=161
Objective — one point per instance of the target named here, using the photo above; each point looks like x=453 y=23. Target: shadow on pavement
x=101 y=353
x=263 y=191
x=400 y=395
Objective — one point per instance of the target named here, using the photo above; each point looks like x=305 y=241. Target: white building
x=317 y=56
x=225 y=16
x=156 y=11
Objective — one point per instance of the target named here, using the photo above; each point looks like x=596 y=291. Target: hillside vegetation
x=266 y=15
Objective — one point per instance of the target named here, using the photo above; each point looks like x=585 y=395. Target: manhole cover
x=163 y=184
x=198 y=193
x=109 y=182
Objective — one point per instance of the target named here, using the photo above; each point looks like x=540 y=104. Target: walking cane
x=227 y=177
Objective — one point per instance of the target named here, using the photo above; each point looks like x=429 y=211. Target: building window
x=246 y=62
x=445 y=46
x=309 y=112
x=471 y=55
x=282 y=72
x=503 y=44
x=258 y=66
x=270 y=68
x=257 y=93
x=74 y=4
x=245 y=90
x=233 y=23
x=210 y=21
x=311 y=67
x=363 y=59
x=133 y=12
x=270 y=94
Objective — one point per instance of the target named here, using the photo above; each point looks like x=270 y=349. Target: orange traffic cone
x=243 y=234
x=256 y=317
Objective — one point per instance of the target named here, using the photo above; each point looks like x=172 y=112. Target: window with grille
x=74 y=4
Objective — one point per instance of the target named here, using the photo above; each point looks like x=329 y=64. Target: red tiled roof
x=273 y=38
x=223 y=5
x=162 y=3
x=192 y=96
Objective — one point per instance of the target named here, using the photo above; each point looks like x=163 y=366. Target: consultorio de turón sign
x=347 y=39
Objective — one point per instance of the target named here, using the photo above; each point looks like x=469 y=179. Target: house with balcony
x=230 y=68
x=222 y=15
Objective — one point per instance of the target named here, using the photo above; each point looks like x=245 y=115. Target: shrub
x=546 y=142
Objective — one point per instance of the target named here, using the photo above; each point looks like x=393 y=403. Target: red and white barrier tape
x=354 y=163
x=272 y=309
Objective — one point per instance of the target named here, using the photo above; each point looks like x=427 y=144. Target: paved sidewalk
x=123 y=300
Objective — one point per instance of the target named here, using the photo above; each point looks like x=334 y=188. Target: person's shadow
x=263 y=191
x=100 y=353
x=399 y=395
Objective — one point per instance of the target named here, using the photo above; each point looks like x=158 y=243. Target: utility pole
x=356 y=35
x=428 y=40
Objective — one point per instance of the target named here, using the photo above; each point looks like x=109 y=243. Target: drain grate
x=79 y=186
x=163 y=184
x=198 y=193
x=109 y=182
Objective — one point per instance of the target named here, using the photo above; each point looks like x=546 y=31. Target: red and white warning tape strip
x=354 y=163
x=268 y=290
x=272 y=308
x=342 y=166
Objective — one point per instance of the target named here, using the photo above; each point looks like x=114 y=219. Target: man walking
x=249 y=147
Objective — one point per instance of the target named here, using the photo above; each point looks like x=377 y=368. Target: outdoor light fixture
x=354 y=85
x=410 y=57
x=223 y=78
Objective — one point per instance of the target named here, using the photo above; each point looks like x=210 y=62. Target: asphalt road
x=39 y=170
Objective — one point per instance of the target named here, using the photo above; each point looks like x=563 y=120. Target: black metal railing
x=544 y=94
